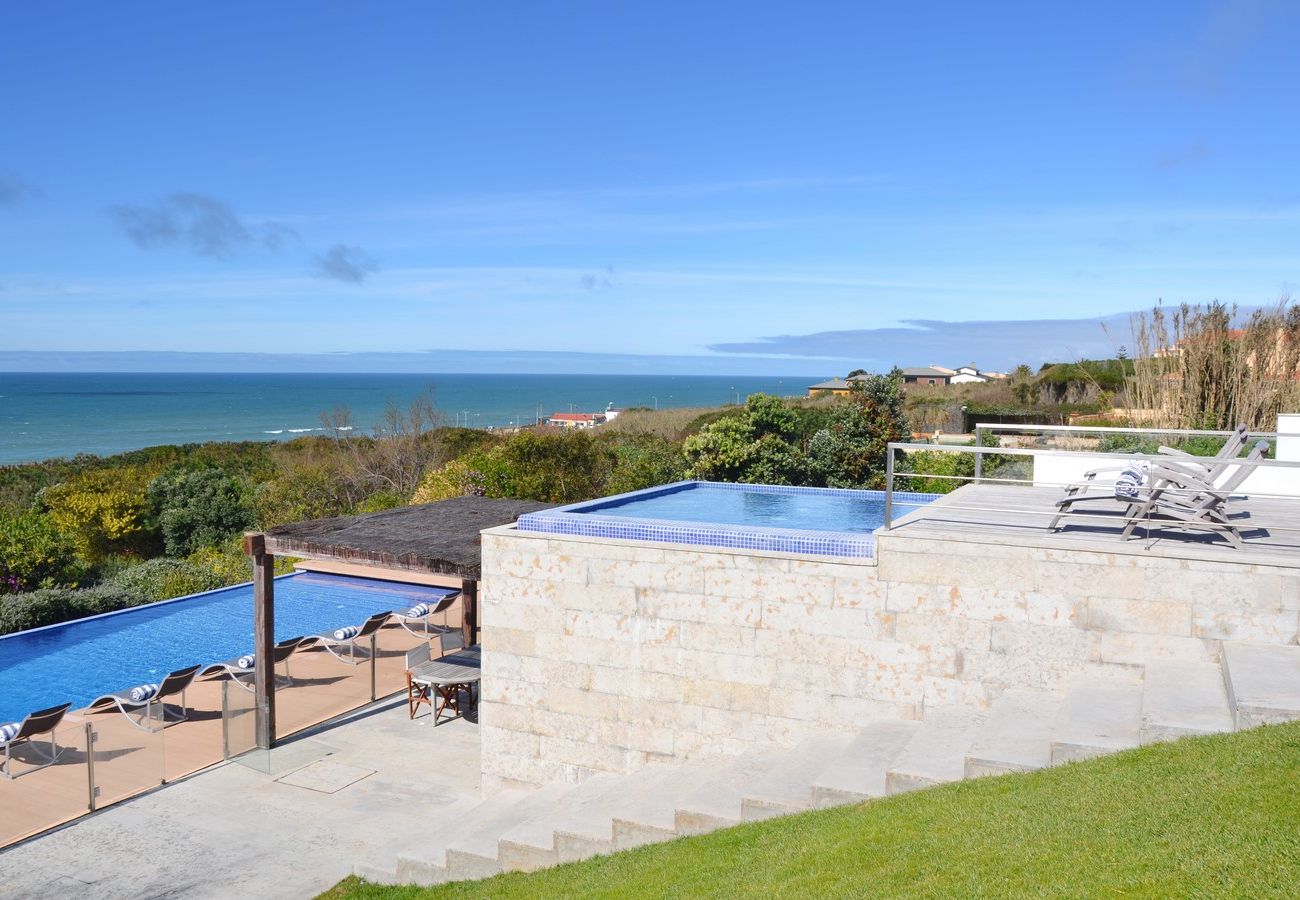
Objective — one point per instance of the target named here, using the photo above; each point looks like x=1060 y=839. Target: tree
x=197 y=508
x=103 y=511
x=34 y=554
x=1022 y=383
x=642 y=461
x=758 y=446
x=403 y=445
x=852 y=451
x=561 y=467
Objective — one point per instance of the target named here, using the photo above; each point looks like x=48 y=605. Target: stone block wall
x=604 y=655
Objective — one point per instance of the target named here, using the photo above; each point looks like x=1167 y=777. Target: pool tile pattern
x=584 y=519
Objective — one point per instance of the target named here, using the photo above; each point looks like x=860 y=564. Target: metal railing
x=1287 y=514
x=995 y=428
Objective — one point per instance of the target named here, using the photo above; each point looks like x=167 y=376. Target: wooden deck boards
x=1006 y=513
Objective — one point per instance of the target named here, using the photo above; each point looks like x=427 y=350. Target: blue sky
x=792 y=188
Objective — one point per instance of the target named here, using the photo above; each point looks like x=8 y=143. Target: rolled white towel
x=418 y=611
x=344 y=634
x=245 y=661
x=143 y=692
x=1130 y=480
x=9 y=731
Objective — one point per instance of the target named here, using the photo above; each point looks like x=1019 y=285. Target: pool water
x=853 y=511
x=80 y=660
x=819 y=521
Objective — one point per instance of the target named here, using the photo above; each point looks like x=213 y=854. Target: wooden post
x=263 y=639
x=469 y=611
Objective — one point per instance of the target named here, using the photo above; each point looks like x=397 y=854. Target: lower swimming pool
x=822 y=521
x=77 y=661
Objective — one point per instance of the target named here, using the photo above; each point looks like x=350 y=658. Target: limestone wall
x=603 y=655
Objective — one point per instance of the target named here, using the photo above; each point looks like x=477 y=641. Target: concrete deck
x=354 y=793
x=1019 y=515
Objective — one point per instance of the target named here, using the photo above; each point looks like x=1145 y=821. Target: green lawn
x=1205 y=816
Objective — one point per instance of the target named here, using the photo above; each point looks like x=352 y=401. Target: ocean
x=44 y=415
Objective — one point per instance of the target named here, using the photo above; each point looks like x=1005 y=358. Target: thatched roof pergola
x=442 y=537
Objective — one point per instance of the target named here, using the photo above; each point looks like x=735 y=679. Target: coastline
x=52 y=416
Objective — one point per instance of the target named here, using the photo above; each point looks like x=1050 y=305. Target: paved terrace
x=128 y=760
x=351 y=793
x=1019 y=515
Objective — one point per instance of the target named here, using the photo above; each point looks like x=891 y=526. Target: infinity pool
x=77 y=661
x=824 y=521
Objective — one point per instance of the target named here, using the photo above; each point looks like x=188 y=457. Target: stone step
x=586 y=827
x=473 y=852
x=859 y=772
x=1096 y=719
x=1263 y=683
x=1017 y=736
x=787 y=787
x=651 y=816
x=1183 y=698
x=715 y=801
x=584 y=816
x=426 y=862
x=936 y=754
x=381 y=867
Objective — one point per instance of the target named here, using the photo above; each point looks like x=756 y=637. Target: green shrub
x=35 y=554
x=935 y=463
x=51 y=606
x=197 y=508
x=379 y=501
x=164 y=578
x=103 y=511
x=642 y=461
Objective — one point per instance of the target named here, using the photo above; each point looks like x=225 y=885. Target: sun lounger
x=418 y=620
x=142 y=698
x=1210 y=468
x=350 y=645
x=1177 y=495
x=240 y=669
x=18 y=734
x=1189 y=503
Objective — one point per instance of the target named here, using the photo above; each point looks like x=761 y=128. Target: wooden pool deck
x=128 y=761
x=1019 y=515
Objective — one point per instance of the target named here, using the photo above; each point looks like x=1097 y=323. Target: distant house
x=835 y=387
x=576 y=420
x=927 y=375
x=972 y=374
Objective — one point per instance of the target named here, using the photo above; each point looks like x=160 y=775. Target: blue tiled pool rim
x=584 y=520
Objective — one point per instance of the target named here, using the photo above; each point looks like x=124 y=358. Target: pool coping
x=582 y=520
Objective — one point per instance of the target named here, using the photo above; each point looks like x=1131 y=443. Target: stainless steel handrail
x=892 y=474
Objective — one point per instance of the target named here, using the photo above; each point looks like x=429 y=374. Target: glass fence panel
x=321 y=681
x=50 y=783
x=195 y=741
x=126 y=752
x=238 y=719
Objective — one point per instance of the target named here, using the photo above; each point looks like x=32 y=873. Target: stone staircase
x=1022 y=731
